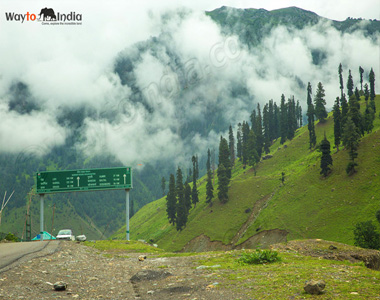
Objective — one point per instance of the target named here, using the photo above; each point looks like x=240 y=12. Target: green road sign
x=84 y=180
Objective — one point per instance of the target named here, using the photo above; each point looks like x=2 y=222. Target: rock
x=314 y=287
x=142 y=257
x=332 y=247
x=268 y=156
x=60 y=286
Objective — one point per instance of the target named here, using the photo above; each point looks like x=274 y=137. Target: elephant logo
x=48 y=14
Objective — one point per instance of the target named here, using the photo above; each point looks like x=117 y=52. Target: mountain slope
x=307 y=206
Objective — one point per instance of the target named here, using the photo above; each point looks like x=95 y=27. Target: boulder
x=60 y=286
x=314 y=287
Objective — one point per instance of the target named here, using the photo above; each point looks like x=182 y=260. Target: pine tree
x=231 y=145
x=340 y=71
x=369 y=117
x=361 y=71
x=194 y=193
x=266 y=124
x=277 y=121
x=351 y=138
x=224 y=156
x=337 y=123
x=223 y=184
x=171 y=201
x=253 y=157
x=272 y=130
x=245 y=130
x=187 y=195
x=326 y=159
x=292 y=118
x=366 y=92
x=319 y=103
x=209 y=188
x=239 y=138
x=163 y=185
x=372 y=85
x=258 y=130
x=355 y=115
x=208 y=163
x=310 y=119
x=350 y=85
x=284 y=119
x=344 y=107
x=181 y=218
x=357 y=95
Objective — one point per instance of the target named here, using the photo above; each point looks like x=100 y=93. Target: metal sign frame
x=86 y=180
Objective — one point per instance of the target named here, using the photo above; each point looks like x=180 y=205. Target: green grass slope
x=307 y=205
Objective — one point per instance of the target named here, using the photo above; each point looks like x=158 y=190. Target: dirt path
x=90 y=275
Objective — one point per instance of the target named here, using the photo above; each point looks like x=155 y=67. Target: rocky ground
x=91 y=275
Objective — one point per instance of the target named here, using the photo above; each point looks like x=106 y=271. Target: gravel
x=89 y=274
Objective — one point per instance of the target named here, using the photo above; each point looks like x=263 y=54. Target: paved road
x=14 y=253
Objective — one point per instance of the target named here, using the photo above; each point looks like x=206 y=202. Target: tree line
x=276 y=121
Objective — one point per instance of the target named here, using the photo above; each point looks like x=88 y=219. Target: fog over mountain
x=146 y=84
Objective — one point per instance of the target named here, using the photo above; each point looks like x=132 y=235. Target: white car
x=66 y=234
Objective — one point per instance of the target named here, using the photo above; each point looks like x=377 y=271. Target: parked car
x=66 y=234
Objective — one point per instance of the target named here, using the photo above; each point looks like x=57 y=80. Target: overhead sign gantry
x=87 y=180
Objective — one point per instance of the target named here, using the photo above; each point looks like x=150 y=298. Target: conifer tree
x=292 y=118
x=350 y=85
x=245 y=130
x=319 y=103
x=277 y=121
x=372 y=90
x=372 y=85
x=209 y=188
x=361 y=71
x=187 y=195
x=208 y=163
x=272 y=134
x=258 y=130
x=326 y=159
x=369 y=117
x=284 y=119
x=223 y=184
x=366 y=92
x=340 y=71
x=171 y=201
x=344 y=107
x=253 y=157
x=357 y=95
x=163 y=185
x=224 y=156
x=355 y=115
x=181 y=218
x=239 y=141
x=231 y=145
x=337 y=123
x=351 y=138
x=194 y=191
x=266 y=125
x=310 y=119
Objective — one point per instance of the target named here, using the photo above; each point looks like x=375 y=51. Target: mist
x=160 y=84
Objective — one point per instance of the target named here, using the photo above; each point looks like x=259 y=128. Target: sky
x=72 y=66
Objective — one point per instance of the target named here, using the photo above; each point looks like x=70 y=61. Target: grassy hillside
x=307 y=206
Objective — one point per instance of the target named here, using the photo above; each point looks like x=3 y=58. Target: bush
x=259 y=257
x=366 y=236
x=11 y=237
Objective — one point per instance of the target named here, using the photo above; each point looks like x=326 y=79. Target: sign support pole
x=127 y=212
x=41 y=217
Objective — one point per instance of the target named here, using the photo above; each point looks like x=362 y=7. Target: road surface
x=15 y=253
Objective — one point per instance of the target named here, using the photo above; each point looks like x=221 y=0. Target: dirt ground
x=91 y=275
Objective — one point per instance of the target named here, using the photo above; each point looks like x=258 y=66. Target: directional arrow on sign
x=125 y=178
x=78 y=180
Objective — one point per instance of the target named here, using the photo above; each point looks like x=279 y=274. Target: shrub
x=11 y=237
x=366 y=236
x=259 y=257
